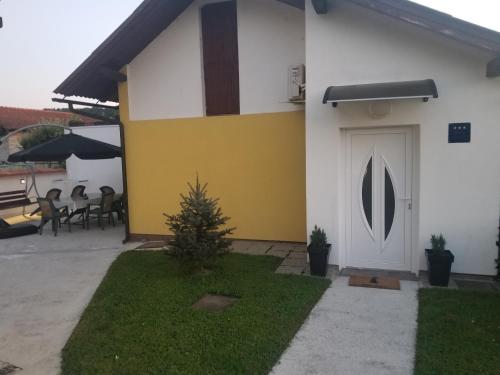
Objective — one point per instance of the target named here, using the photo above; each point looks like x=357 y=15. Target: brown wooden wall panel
x=220 y=58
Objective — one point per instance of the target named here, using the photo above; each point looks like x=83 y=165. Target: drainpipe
x=124 y=180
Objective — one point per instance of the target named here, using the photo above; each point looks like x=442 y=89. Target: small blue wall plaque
x=459 y=132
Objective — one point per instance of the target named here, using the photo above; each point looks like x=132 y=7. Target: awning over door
x=423 y=89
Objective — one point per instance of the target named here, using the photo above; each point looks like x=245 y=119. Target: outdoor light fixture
x=22 y=180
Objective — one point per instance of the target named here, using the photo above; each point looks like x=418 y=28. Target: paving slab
x=290 y=270
x=251 y=247
x=45 y=284
x=283 y=246
x=278 y=253
x=298 y=255
x=294 y=262
x=356 y=331
x=302 y=248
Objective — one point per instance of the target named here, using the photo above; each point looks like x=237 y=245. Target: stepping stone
x=214 y=303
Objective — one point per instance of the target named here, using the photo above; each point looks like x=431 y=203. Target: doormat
x=380 y=282
x=214 y=303
x=7 y=368
x=476 y=285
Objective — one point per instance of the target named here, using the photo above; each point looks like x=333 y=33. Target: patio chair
x=105 y=208
x=78 y=192
x=52 y=194
x=51 y=213
x=119 y=206
x=117 y=203
x=106 y=189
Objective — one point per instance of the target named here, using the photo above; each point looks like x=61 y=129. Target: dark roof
x=381 y=91
x=154 y=16
x=435 y=21
x=120 y=48
x=12 y=118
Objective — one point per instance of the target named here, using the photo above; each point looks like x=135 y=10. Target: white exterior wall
x=166 y=79
x=459 y=184
x=95 y=173
x=271 y=37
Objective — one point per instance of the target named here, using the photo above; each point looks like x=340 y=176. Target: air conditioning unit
x=297 y=83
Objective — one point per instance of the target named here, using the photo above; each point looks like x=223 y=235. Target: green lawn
x=140 y=320
x=458 y=333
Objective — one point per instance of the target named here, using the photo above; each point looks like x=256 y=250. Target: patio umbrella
x=61 y=148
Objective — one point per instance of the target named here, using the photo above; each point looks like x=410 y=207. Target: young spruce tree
x=199 y=233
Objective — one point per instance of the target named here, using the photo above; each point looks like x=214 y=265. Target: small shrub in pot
x=319 y=250
x=439 y=261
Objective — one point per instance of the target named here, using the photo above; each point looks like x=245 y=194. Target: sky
x=43 y=41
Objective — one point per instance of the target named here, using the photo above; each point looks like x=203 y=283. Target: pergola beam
x=87 y=104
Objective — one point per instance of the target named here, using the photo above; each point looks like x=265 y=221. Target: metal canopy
x=423 y=89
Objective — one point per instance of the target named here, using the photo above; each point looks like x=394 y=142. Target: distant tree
x=110 y=113
x=40 y=135
x=3 y=131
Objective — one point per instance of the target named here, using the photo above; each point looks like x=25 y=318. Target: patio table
x=83 y=202
x=74 y=205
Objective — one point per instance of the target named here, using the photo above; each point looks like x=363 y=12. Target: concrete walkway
x=45 y=284
x=356 y=331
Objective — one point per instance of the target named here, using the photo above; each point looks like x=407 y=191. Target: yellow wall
x=255 y=164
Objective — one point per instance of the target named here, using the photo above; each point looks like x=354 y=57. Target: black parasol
x=61 y=148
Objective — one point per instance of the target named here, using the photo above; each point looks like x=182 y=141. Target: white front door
x=378 y=192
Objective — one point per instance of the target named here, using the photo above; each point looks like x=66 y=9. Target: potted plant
x=439 y=261
x=319 y=250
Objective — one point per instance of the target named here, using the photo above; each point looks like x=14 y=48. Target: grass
x=458 y=333
x=140 y=320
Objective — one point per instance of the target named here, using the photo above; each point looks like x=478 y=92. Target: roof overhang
x=493 y=68
x=98 y=75
x=423 y=89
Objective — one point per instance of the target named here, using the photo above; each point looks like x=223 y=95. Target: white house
x=395 y=138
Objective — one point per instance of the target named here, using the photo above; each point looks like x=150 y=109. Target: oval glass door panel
x=367 y=192
x=390 y=203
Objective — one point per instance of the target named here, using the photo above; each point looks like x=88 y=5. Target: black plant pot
x=318 y=259
x=439 y=266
